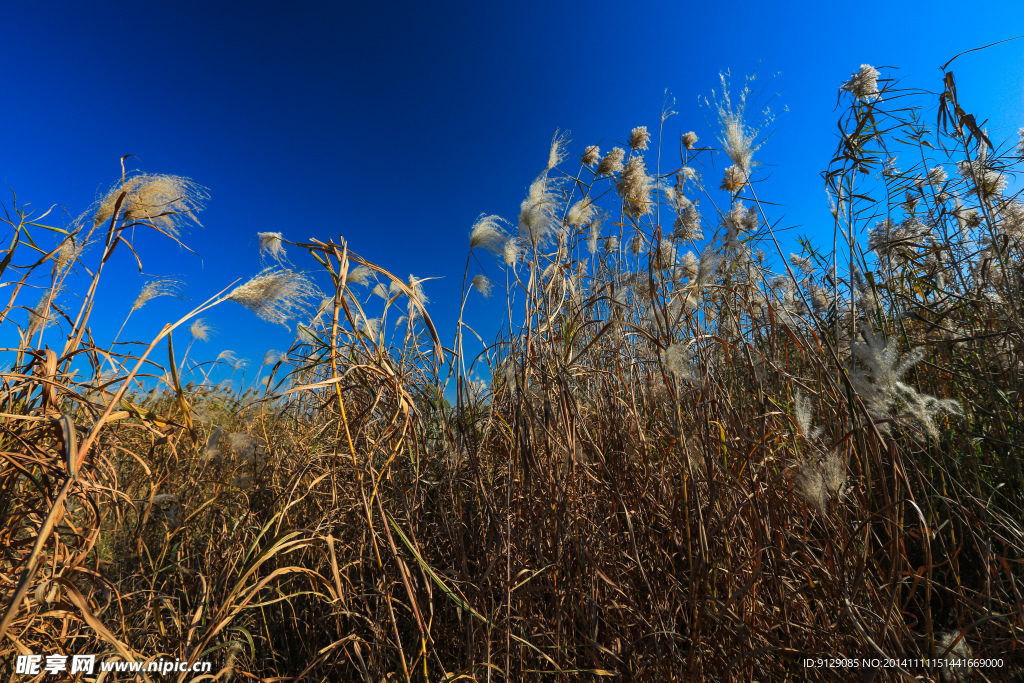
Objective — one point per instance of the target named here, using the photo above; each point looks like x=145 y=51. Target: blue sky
x=395 y=125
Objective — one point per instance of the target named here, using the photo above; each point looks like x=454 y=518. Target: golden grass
x=682 y=468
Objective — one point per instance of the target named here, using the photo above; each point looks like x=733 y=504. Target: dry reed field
x=696 y=457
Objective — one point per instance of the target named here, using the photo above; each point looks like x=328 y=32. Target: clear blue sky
x=397 y=124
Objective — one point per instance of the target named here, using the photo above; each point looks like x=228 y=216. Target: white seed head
x=155 y=288
x=592 y=154
x=805 y=265
x=638 y=138
x=165 y=201
x=275 y=295
x=733 y=180
x=537 y=219
x=863 y=84
x=635 y=187
x=200 y=330
x=580 y=213
x=271 y=243
x=679 y=361
x=612 y=162
x=556 y=154
x=488 y=234
x=689 y=140
x=359 y=276
x=482 y=284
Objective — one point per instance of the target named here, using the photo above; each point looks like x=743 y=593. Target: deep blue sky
x=396 y=125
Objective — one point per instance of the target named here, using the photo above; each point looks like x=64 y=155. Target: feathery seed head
x=557 y=153
x=166 y=201
x=879 y=383
x=581 y=213
x=804 y=264
x=381 y=291
x=803 y=412
x=689 y=140
x=937 y=176
x=510 y=251
x=638 y=138
x=987 y=181
x=275 y=295
x=688 y=265
x=69 y=252
x=488 y=234
x=612 y=162
x=271 y=243
x=733 y=180
x=592 y=154
x=635 y=186
x=737 y=138
x=863 y=84
x=272 y=357
x=39 y=317
x=688 y=224
x=155 y=288
x=483 y=285
x=359 y=276
x=228 y=356
x=679 y=361
x=200 y=330
x=537 y=220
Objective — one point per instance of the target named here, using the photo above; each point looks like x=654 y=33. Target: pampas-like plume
x=580 y=213
x=678 y=360
x=165 y=201
x=638 y=138
x=200 y=330
x=537 y=218
x=817 y=482
x=39 y=317
x=510 y=252
x=359 y=276
x=803 y=412
x=155 y=288
x=275 y=295
x=736 y=138
x=592 y=154
x=488 y=234
x=804 y=264
x=879 y=384
x=734 y=180
x=69 y=252
x=612 y=162
x=635 y=187
x=228 y=356
x=482 y=284
x=863 y=84
x=556 y=154
x=272 y=357
x=689 y=140
x=687 y=226
x=271 y=243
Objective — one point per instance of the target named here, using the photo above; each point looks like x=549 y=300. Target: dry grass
x=683 y=468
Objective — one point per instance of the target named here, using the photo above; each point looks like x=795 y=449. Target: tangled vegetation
x=691 y=460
